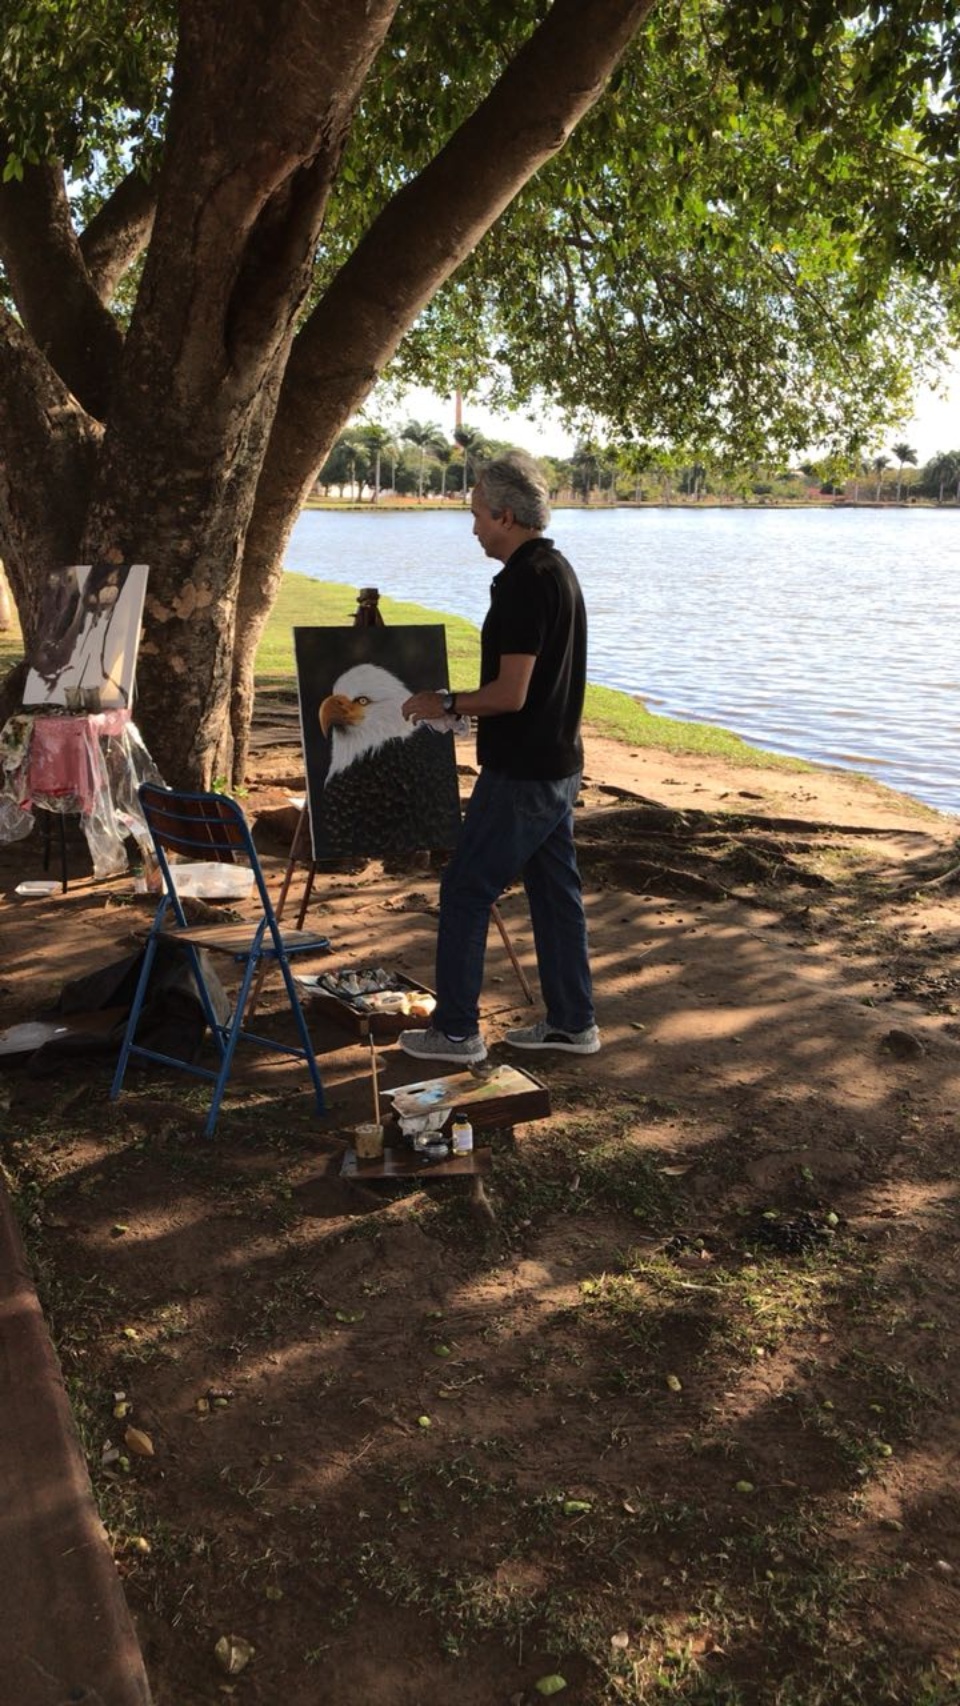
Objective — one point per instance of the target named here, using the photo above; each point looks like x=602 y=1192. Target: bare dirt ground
x=679 y=1423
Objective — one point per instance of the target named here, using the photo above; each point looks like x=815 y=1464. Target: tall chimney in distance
x=458 y=410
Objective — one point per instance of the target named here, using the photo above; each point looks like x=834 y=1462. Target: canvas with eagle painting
x=376 y=784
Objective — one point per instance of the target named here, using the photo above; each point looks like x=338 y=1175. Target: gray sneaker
x=432 y=1044
x=544 y=1035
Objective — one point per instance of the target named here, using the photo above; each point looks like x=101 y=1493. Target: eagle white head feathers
x=362 y=714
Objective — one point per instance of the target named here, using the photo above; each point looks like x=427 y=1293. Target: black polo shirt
x=536 y=608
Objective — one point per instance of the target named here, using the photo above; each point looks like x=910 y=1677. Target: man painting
x=519 y=819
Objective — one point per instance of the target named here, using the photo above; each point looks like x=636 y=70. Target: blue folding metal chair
x=213 y=827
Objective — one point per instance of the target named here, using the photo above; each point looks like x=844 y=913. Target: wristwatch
x=448 y=700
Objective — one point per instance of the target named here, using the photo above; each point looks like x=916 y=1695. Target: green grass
x=11 y=646
x=306 y=603
x=624 y=718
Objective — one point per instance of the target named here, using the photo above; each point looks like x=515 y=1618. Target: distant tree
x=444 y=456
x=666 y=468
x=693 y=479
x=859 y=471
x=941 y=471
x=903 y=453
x=879 y=464
x=473 y=445
x=375 y=440
x=358 y=462
x=425 y=435
x=341 y=467
x=560 y=473
x=406 y=476
x=393 y=451
x=585 y=466
x=608 y=467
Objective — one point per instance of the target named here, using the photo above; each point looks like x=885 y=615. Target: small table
x=90 y=764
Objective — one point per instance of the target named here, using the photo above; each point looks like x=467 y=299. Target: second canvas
x=376 y=784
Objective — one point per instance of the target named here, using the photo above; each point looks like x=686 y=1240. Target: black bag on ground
x=172 y=1019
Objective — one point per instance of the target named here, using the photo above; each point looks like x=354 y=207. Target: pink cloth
x=65 y=758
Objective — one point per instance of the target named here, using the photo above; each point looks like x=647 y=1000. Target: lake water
x=832 y=634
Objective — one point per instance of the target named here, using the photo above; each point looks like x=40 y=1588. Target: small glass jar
x=461 y=1135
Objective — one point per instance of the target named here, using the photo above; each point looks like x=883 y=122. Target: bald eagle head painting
x=376 y=784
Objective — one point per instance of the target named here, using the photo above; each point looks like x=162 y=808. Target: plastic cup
x=368 y=1141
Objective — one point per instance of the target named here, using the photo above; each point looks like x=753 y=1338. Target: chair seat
x=238 y=939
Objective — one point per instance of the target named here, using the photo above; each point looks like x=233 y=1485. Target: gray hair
x=516 y=482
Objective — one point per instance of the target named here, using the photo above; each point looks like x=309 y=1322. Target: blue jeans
x=513 y=827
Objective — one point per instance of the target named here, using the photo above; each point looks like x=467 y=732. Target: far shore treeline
x=416 y=463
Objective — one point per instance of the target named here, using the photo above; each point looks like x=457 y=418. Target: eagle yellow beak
x=337 y=711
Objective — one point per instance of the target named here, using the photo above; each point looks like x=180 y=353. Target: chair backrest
x=196 y=826
x=203 y=828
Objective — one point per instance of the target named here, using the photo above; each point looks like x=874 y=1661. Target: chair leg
x=129 y=1035
x=229 y=1044
x=308 y=1050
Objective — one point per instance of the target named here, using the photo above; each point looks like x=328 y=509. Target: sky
x=934 y=427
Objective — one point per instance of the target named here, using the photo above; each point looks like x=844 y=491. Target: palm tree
x=375 y=440
x=474 y=445
x=609 y=464
x=585 y=465
x=426 y=435
x=694 y=479
x=903 y=453
x=355 y=451
x=941 y=471
x=340 y=468
x=444 y=455
x=393 y=452
x=879 y=463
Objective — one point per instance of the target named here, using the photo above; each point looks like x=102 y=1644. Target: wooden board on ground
x=402 y=1162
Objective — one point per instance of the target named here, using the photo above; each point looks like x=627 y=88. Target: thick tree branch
x=118 y=232
x=250 y=154
x=432 y=224
x=47 y=450
x=51 y=287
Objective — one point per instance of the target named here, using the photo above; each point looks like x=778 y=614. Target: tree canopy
x=219 y=223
